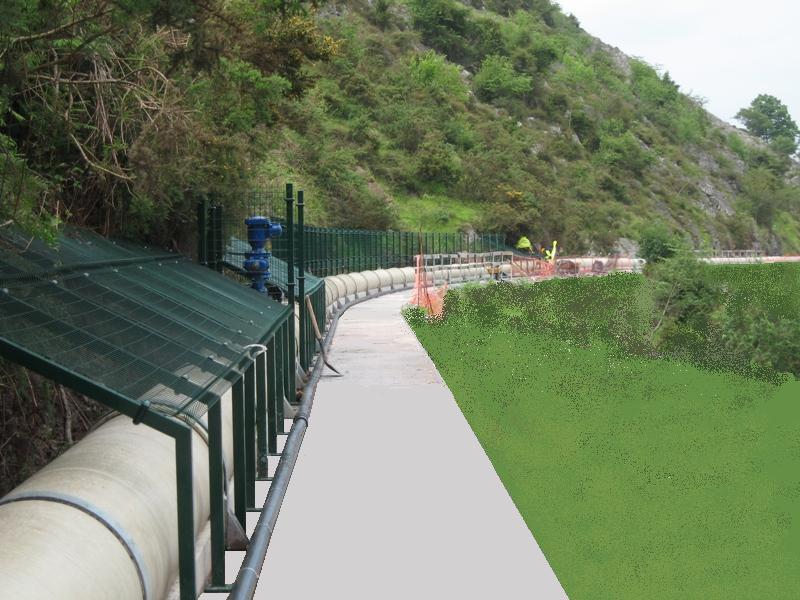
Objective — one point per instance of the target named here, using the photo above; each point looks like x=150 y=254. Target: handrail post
x=290 y=274
x=301 y=279
x=202 y=231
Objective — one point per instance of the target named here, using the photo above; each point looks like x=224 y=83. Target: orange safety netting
x=426 y=295
x=431 y=298
x=522 y=266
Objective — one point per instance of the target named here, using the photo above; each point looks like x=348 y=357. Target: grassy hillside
x=638 y=478
x=511 y=118
x=646 y=468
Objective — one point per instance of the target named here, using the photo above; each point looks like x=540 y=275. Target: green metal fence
x=159 y=339
x=327 y=250
x=332 y=251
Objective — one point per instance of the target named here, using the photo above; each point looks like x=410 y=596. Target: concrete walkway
x=411 y=508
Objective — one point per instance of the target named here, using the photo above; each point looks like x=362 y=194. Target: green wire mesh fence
x=328 y=250
x=153 y=326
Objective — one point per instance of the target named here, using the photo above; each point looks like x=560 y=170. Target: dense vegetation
x=499 y=115
x=506 y=116
x=110 y=111
x=743 y=319
x=640 y=474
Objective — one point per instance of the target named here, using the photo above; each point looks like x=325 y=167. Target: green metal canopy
x=132 y=323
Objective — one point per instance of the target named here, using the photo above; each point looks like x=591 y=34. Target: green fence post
x=280 y=377
x=330 y=246
x=356 y=266
x=202 y=231
x=216 y=237
x=185 y=501
x=290 y=280
x=272 y=397
x=347 y=250
x=301 y=280
x=329 y=254
x=358 y=251
x=312 y=250
x=339 y=243
x=317 y=252
x=362 y=251
x=344 y=243
x=288 y=370
x=305 y=246
x=250 y=432
x=262 y=418
x=239 y=453
x=216 y=486
x=310 y=333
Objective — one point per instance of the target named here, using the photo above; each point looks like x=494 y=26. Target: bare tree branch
x=56 y=31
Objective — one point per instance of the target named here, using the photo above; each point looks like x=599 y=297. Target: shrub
x=497 y=78
x=624 y=151
x=415 y=316
x=761 y=341
x=763 y=195
x=657 y=243
x=654 y=91
x=432 y=72
x=737 y=145
x=443 y=24
x=438 y=161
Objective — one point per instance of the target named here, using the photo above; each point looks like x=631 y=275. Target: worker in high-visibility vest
x=551 y=254
x=524 y=244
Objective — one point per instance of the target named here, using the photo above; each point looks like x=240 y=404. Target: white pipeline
x=100 y=520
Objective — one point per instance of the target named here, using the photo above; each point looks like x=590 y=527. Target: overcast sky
x=726 y=51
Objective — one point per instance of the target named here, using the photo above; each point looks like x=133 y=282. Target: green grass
x=434 y=213
x=639 y=478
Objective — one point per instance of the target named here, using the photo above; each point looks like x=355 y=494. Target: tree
x=769 y=119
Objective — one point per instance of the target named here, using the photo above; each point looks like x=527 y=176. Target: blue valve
x=259 y=231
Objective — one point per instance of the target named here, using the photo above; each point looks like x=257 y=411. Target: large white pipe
x=100 y=521
x=740 y=260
